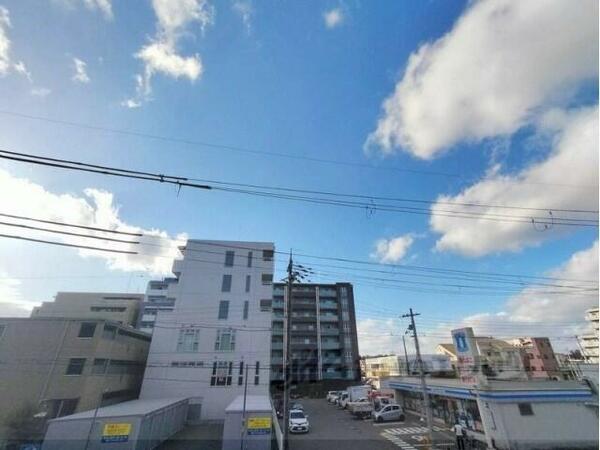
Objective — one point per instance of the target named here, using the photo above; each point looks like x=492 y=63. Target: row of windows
x=88 y=329
x=103 y=365
x=267 y=255
x=108 y=308
x=266 y=278
x=222 y=373
x=224 y=309
x=189 y=340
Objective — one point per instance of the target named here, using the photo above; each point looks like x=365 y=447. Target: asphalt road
x=330 y=426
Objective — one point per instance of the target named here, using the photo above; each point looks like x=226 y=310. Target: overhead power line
x=63 y=244
x=66 y=224
x=551 y=220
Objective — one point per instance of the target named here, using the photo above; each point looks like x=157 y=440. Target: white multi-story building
x=589 y=342
x=219 y=329
x=160 y=296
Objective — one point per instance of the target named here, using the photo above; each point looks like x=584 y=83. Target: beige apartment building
x=62 y=366
x=118 y=307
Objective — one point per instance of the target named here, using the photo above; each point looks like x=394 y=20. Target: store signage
x=467 y=355
x=259 y=425
x=116 y=432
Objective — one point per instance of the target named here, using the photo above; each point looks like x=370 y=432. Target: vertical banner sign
x=466 y=354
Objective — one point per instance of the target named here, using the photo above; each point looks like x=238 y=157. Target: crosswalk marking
x=410 y=430
x=397 y=441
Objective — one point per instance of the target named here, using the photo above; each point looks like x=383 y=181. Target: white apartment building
x=589 y=342
x=160 y=296
x=219 y=328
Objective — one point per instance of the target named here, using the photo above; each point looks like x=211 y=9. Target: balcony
x=277 y=331
x=332 y=375
x=276 y=345
x=304 y=318
x=277 y=360
x=330 y=331
x=329 y=318
x=330 y=360
x=330 y=345
x=328 y=305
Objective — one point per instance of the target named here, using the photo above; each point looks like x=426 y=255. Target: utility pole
x=406 y=355
x=287 y=356
x=426 y=404
x=244 y=425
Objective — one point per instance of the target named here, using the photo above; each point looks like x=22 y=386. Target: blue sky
x=463 y=101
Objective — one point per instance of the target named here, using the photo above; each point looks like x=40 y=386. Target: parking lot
x=332 y=426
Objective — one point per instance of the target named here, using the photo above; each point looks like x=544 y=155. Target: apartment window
x=188 y=340
x=266 y=305
x=246 y=306
x=241 y=373
x=249 y=259
x=221 y=373
x=87 y=330
x=109 y=332
x=107 y=308
x=267 y=278
x=247 y=283
x=226 y=284
x=75 y=366
x=525 y=409
x=229 y=258
x=267 y=255
x=99 y=366
x=225 y=341
x=223 y=309
x=256 y=373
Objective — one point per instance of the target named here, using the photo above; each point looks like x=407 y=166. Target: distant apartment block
x=499 y=359
x=589 y=342
x=324 y=342
x=392 y=366
x=118 y=307
x=160 y=296
x=539 y=360
x=219 y=330
x=62 y=366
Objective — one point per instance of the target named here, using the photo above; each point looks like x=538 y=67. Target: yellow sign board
x=116 y=432
x=255 y=423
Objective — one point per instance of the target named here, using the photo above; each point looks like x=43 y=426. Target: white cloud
x=502 y=60
x=95 y=209
x=161 y=55
x=12 y=303
x=104 y=6
x=393 y=249
x=245 y=10
x=333 y=18
x=572 y=162
x=536 y=311
x=40 y=92
x=543 y=305
x=80 y=68
x=6 y=63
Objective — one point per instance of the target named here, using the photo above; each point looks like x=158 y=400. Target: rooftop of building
x=104 y=295
x=74 y=319
x=130 y=408
x=253 y=403
x=496 y=385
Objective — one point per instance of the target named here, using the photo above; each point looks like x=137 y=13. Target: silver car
x=389 y=413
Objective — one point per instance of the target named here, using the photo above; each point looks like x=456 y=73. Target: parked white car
x=298 y=422
x=331 y=395
x=389 y=413
x=342 y=400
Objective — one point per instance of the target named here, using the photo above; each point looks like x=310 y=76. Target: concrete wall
x=569 y=425
x=35 y=354
x=198 y=294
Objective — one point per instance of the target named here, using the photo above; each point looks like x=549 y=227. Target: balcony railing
x=330 y=345
x=276 y=345
x=329 y=318
x=332 y=375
